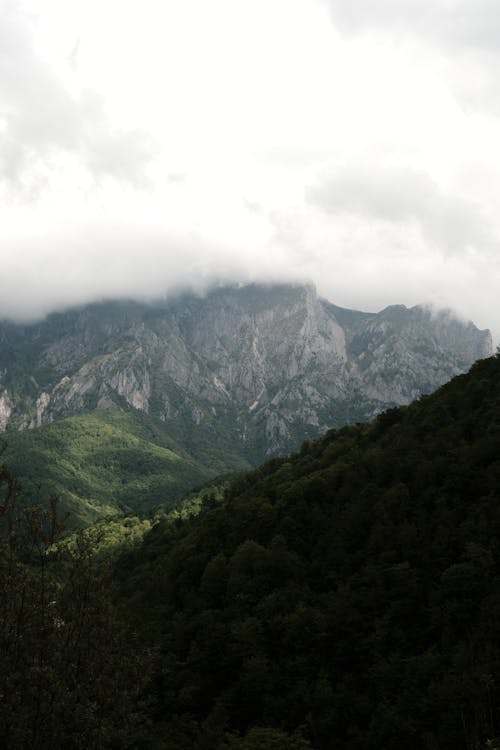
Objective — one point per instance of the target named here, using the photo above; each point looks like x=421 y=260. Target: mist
x=146 y=153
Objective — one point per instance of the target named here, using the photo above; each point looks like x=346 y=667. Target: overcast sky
x=156 y=145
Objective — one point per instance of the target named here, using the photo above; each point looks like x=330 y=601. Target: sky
x=152 y=147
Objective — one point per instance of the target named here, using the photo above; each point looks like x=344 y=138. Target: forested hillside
x=347 y=597
x=107 y=463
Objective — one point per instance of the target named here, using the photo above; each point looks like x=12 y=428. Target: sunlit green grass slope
x=102 y=464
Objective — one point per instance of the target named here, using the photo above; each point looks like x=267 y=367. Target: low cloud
x=85 y=262
x=350 y=165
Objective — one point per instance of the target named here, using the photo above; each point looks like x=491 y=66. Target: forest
x=343 y=598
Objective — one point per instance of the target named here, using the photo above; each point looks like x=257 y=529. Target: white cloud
x=460 y=38
x=460 y=24
x=384 y=192
x=40 y=117
x=149 y=148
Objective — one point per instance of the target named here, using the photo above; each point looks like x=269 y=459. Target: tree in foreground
x=70 y=674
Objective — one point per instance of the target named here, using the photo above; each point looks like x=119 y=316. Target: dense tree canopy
x=347 y=597
x=70 y=675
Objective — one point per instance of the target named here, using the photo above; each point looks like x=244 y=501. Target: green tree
x=70 y=674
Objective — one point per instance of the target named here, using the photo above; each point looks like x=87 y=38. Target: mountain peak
x=268 y=364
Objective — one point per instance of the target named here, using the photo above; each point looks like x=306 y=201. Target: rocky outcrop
x=6 y=406
x=268 y=366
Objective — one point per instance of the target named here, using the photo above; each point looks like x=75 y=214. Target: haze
x=156 y=146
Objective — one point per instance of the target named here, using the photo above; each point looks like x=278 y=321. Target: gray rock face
x=264 y=367
x=5 y=410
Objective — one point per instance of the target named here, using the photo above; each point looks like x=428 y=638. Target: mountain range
x=123 y=405
x=346 y=596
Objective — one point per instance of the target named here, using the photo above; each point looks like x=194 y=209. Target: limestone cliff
x=258 y=368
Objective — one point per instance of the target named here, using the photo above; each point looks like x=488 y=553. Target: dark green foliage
x=71 y=674
x=343 y=599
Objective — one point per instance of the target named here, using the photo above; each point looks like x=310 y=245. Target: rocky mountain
x=350 y=591
x=249 y=371
x=120 y=407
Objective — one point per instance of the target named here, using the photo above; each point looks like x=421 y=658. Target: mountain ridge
x=225 y=380
x=242 y=347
